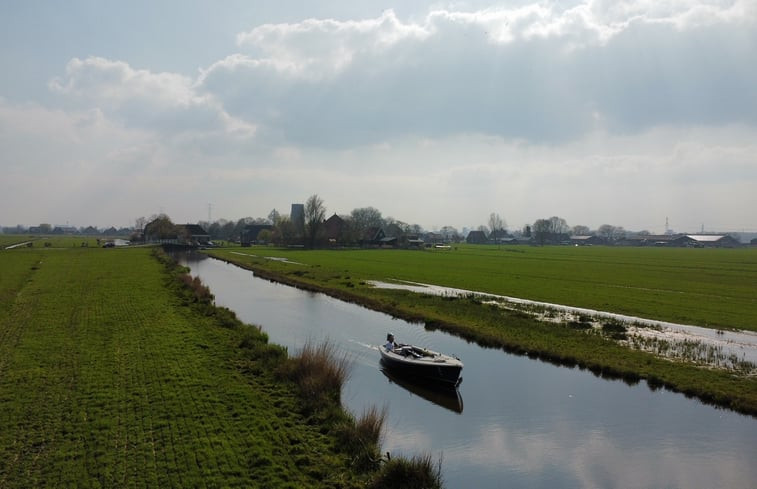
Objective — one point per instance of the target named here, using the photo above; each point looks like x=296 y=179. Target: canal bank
x=519 y=333
x=518 y=422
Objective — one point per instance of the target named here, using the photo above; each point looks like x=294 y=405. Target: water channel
x=513 y=422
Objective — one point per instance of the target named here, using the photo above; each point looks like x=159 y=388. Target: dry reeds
x=320 y=372
x=362 y=438
x=419 y=472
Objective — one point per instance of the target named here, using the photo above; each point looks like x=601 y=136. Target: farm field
x=705 y=287
x=108 y=380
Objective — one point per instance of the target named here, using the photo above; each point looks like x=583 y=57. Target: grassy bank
x=344 y=273
x=117 y=372
x=706 y=287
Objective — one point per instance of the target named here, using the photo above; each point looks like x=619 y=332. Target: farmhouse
x=193 y=235
x=586 y=240
x=684 y=240
x=476 y=237
x=714 y=240
x=333 y=227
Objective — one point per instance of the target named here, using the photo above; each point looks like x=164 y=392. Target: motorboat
x=423 y=363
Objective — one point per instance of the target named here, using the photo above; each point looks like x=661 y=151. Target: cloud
x=533 y=72
x=162 y=101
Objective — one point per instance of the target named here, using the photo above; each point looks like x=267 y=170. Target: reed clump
x=362 y=437
x=320 y=372
x=419 y=472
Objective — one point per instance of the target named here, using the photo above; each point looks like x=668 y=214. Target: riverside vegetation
x=116 y=370
x=707 y=287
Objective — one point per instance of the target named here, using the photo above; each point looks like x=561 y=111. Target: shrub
x=417 y=473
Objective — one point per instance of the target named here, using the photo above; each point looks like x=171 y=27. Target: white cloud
x=535 y=72
x=140 y=98
x=318 y=48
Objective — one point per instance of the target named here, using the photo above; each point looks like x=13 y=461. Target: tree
x=558 y=226
x=450 y=234
x=265 y=236
x=541 y=230
x=364 y=218
x=161 y=227
x=315 y=213
x=273 y=217
x=606 y=231
x=284 y=232
x=581 y=230
x=496 y=223
x=140 y=223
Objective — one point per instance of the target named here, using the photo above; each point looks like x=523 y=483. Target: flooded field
x=719 y=348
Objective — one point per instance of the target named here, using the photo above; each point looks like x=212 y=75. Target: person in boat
x=390 y=344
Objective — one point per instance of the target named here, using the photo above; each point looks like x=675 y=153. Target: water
x=514 y=422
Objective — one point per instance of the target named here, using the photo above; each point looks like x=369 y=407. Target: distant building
x=714 y=240
x=587 y=240
x=683 y=240
x=476 y=237
x=193 y=235
x=333 y=228
x=297 y=216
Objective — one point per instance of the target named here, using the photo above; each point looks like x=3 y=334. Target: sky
x=629 y=113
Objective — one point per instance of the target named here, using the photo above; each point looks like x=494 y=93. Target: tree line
x=309 y=228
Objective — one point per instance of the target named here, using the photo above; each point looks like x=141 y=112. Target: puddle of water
x=719 y=348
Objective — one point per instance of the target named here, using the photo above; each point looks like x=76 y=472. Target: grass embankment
x=707 y=287
x=610 y=279
x=117 y=372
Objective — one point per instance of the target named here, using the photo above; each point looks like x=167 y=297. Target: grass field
x=108 y=379
x=716 y=288
x=707 y=287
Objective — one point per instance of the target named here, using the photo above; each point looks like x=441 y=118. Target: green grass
x=708 y=287
x=111 y=377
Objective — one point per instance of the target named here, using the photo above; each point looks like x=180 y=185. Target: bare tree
x=558 y=226
x=449 y=233
x=273 y=217
x=581 y=230
x=496 y=223
x=606 y=231
x=315 y=213
x=497 y=226
x=140 y=223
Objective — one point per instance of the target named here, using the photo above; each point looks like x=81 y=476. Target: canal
x=513 y=422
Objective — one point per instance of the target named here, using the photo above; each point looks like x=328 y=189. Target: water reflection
x=444 y=395
x=526 y=423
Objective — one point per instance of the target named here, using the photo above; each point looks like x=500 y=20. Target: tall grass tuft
x=320 y=372
x=419 y=472
x=362 y=438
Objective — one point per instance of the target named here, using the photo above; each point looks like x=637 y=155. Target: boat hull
x=423 y=364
